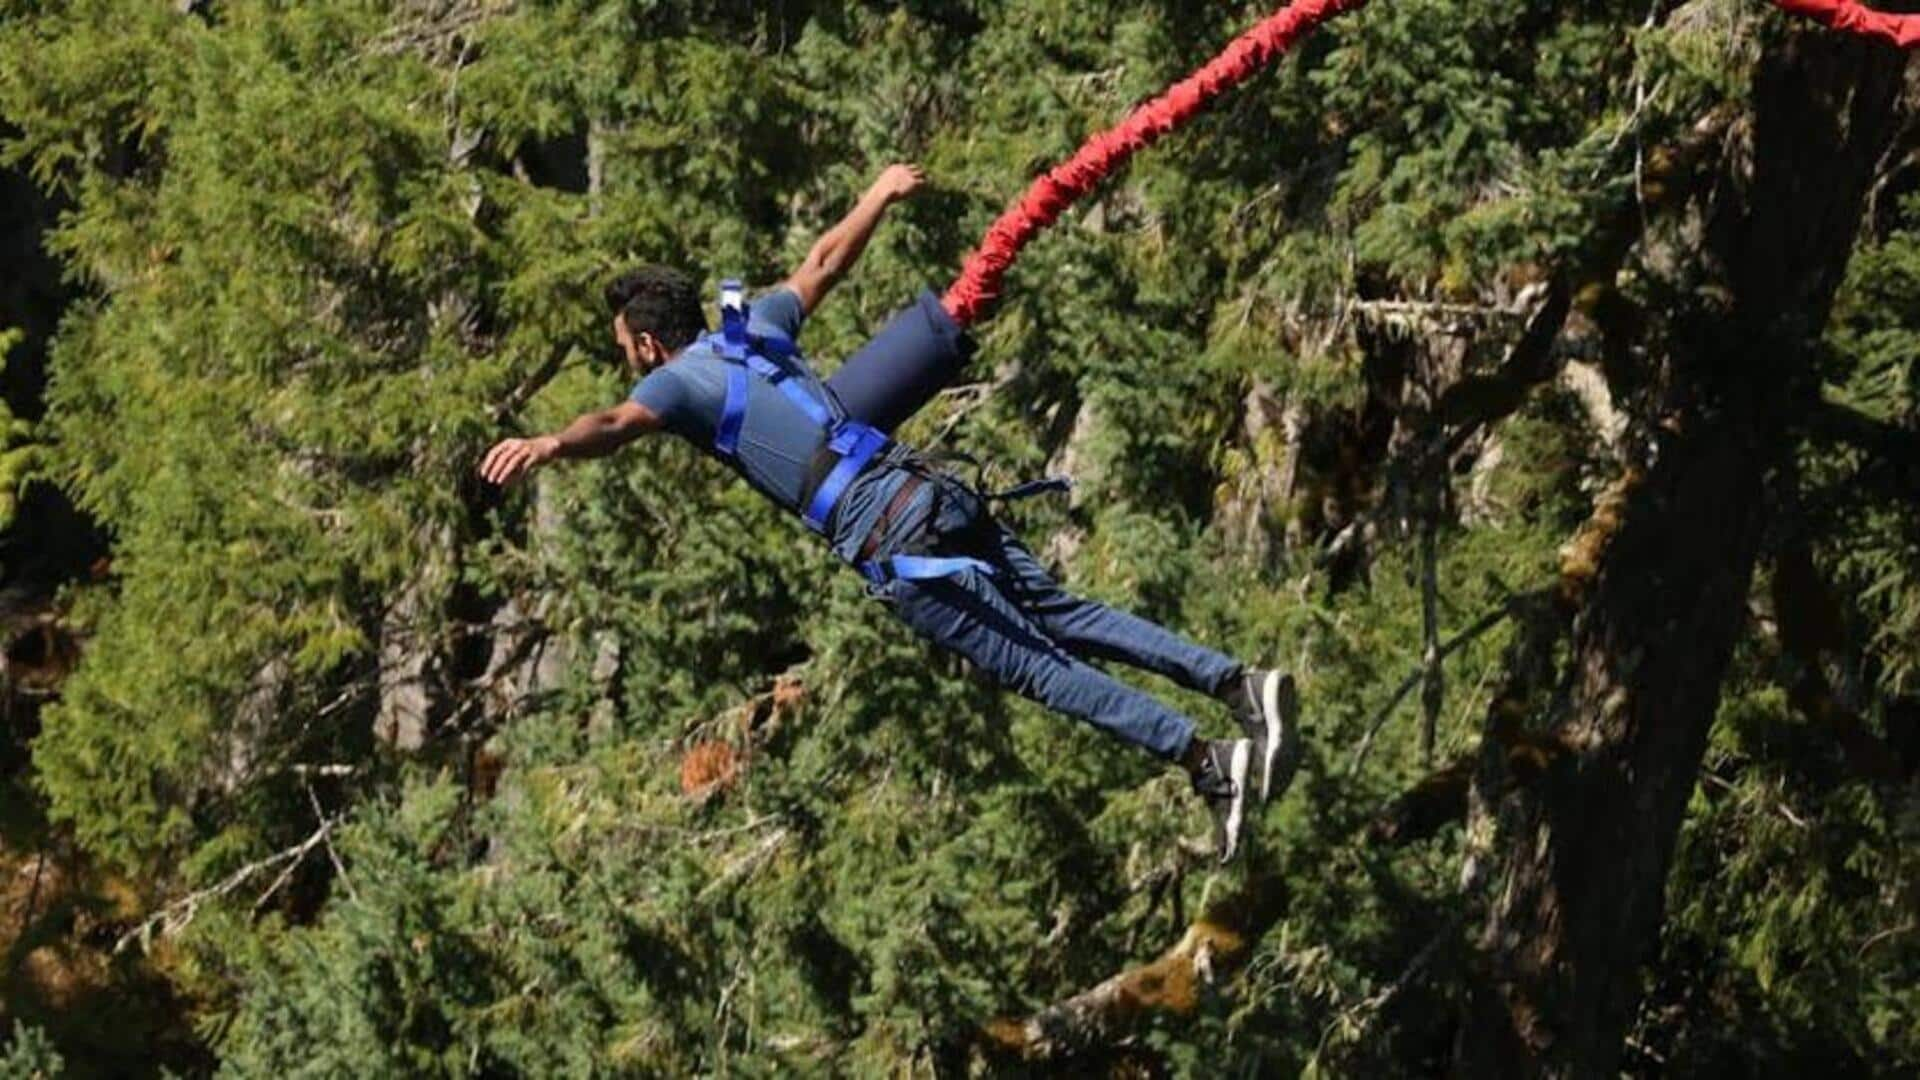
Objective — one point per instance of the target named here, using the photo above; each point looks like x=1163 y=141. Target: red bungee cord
x=979 y=281
x=1855 y=18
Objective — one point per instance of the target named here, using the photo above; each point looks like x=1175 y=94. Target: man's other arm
x=592 y=435
x=839 y=247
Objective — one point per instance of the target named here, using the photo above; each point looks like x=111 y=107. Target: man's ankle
x=1236 y=693
x=1194 y=758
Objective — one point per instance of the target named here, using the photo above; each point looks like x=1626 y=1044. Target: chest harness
x=848 y=445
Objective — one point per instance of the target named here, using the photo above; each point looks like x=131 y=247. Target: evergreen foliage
x=331 y=251
x=30 y=1055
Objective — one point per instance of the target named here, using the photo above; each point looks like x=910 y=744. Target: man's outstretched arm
x=594 y=434
x=839 y=247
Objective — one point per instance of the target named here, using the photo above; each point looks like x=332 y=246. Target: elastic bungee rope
x=1048 y=196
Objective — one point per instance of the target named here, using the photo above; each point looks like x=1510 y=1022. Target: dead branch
x=332 y=855
x=745 y=865
x=1447 y=648
x=1478 y=400
x=1786 y=812
x=1893 y=451
x=971 y=398
x=174 y=917
x=535 y=382
x=1172 y=984
x=434 y=28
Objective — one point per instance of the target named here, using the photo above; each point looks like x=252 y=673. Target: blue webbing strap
x=731 y=342
x=797 y=393
x=853 y=442
x=856 y=443
x=726 y=437
x=743 y=352
x=920 y=568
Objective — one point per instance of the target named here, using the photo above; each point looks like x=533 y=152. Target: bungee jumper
x=925 y=541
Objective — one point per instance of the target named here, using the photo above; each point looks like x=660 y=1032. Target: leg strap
x=919 y=568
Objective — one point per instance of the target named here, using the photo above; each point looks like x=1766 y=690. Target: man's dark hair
x=661 y=301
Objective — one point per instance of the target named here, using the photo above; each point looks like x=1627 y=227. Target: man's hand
x=511 y=459
x=897 y=182
x=839 y=247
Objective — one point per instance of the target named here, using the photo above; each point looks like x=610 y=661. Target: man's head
x=656 y=313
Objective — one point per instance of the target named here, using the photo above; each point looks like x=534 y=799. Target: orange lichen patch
x=789 y=692
x=708 y=769
x=1005 y=1033
x=1580 y=557
x=489 y=762
x=1172 y=984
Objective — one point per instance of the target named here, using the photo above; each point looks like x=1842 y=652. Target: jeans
x=1037 y=639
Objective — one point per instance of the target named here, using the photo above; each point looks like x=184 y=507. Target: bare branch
x=531 y=385
x=338 y=866
x=1480 y=626
x=1172 y=984
x=174 y=917
x=745 y=865
x=1481 y=399
x=1894 y=451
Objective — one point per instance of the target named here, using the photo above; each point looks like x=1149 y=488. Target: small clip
x=733 y=312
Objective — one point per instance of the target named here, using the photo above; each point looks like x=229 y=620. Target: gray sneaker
x=1268 y=708
x=1221 y=780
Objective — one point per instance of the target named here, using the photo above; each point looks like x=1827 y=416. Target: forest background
x=1536 y=380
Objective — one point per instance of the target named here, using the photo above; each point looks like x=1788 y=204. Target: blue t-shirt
x=777 y=440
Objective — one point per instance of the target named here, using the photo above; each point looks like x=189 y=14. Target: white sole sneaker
x=1279 y=713
x=1237 y=810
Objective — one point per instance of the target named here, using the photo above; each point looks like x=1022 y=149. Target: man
x=924 y=540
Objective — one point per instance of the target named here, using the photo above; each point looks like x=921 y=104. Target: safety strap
x=853 y=442
x=745 y=353
x=1031 y=488
x=856 y=444
x=920 y=568
x=934 y=459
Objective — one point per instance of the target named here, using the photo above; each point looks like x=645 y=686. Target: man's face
x=643 y=353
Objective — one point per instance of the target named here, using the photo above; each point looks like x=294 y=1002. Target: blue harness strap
x=726 y=437
x=853 y=442
x=920 y=568
x=856 y=443
x=764 y=355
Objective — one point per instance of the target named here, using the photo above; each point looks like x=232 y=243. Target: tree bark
x=1576 y=862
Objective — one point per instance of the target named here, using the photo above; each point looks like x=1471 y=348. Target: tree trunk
x=1576 y=863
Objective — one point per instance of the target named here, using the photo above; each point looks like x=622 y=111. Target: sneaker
x=1268 y=709
x=1221 y=780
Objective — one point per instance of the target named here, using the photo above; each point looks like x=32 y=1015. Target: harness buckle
x=733 y=313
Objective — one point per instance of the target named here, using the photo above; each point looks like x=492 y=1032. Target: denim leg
x=969 y=615
x=1095 y=631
